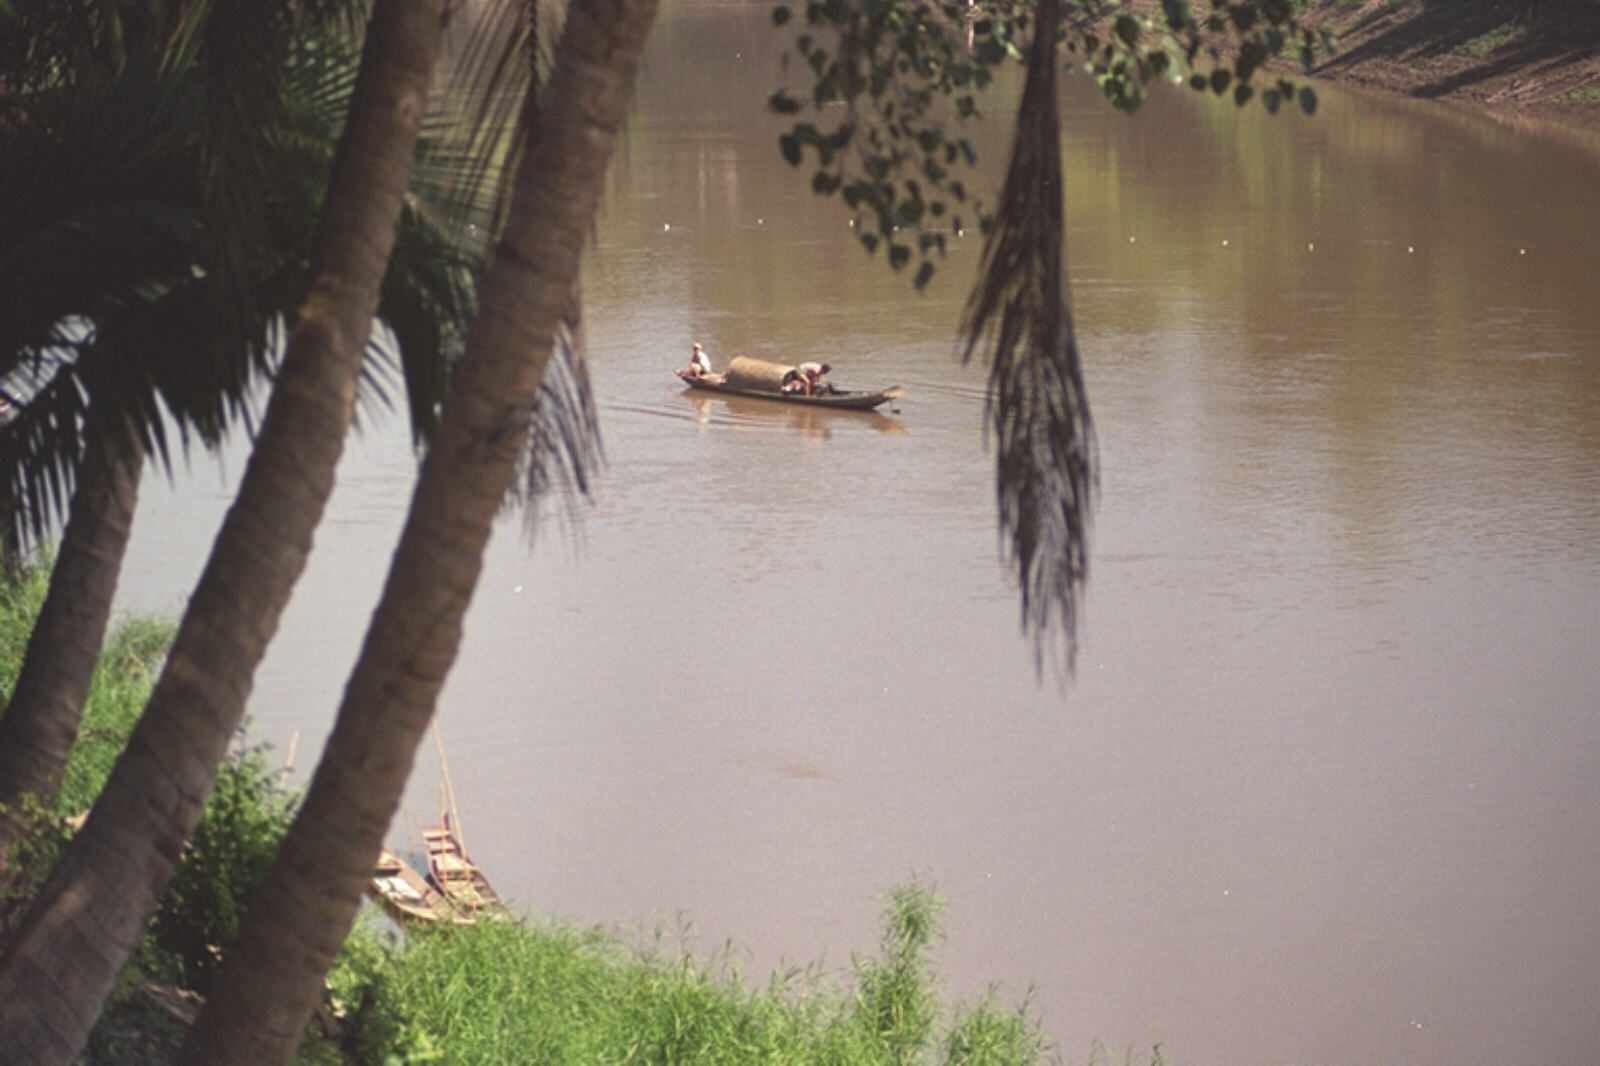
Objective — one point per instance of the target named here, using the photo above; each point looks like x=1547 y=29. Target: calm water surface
x=1325 y=787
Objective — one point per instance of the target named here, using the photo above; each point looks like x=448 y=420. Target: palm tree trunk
x=272 y=978
x=41 y=721
x=58 y=968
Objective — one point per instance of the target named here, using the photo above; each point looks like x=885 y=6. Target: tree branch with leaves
x=892 y=86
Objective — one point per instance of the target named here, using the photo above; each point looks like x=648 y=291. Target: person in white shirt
x=699 y=363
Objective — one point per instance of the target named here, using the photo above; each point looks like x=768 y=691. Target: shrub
x=229 y=854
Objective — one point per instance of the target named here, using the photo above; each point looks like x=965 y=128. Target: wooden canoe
x=454 y=889
x=762 y=380
x=456 y=876
x=406 y=896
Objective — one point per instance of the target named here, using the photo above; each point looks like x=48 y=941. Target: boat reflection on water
x=818 y=422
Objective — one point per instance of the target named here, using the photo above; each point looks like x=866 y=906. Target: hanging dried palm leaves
x=1037 y=410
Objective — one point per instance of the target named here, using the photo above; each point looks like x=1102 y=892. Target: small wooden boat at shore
x=456 y=876
x=763 y=380
x=406 y=896
x=454 y=889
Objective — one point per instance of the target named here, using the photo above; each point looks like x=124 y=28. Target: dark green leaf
x=1270 y=100
x=1308 y=100
x=1198 y=83
x=1251 y=56
x=1242 y=94
x=780 y=15
x=1220 y=80
x=924 y=273
x=790 y=147
x=870 y=242
x=908 y=212
x=899 y=255
x=823 y=183
x=1127 y=28
x=990 y=51
x=783 y=104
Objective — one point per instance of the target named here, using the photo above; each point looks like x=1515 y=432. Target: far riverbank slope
x=1538 y=58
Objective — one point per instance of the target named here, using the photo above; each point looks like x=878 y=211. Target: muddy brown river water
x=1325 y=787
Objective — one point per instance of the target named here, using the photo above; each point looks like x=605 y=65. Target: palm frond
x=242 y=57
x=98 y=178
x=1037 y=408
x=426 y=302
x=564 y=447
x=381 y=369
x=494 y=66
x=162 y=207
x=48 y=44
x=40 y=446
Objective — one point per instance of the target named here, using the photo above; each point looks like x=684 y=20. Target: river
x=1325 y=786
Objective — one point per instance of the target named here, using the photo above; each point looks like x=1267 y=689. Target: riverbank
x=1517 y=60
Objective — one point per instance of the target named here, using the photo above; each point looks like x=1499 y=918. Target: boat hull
x=846 y=401
x=457 y=877
x=407 y=896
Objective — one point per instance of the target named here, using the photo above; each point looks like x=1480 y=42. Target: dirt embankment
x=1537 y=58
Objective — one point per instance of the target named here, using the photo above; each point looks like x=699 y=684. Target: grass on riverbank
x=509 y=992
x=1487 y=42
x=121 y=685
x=122 y=682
